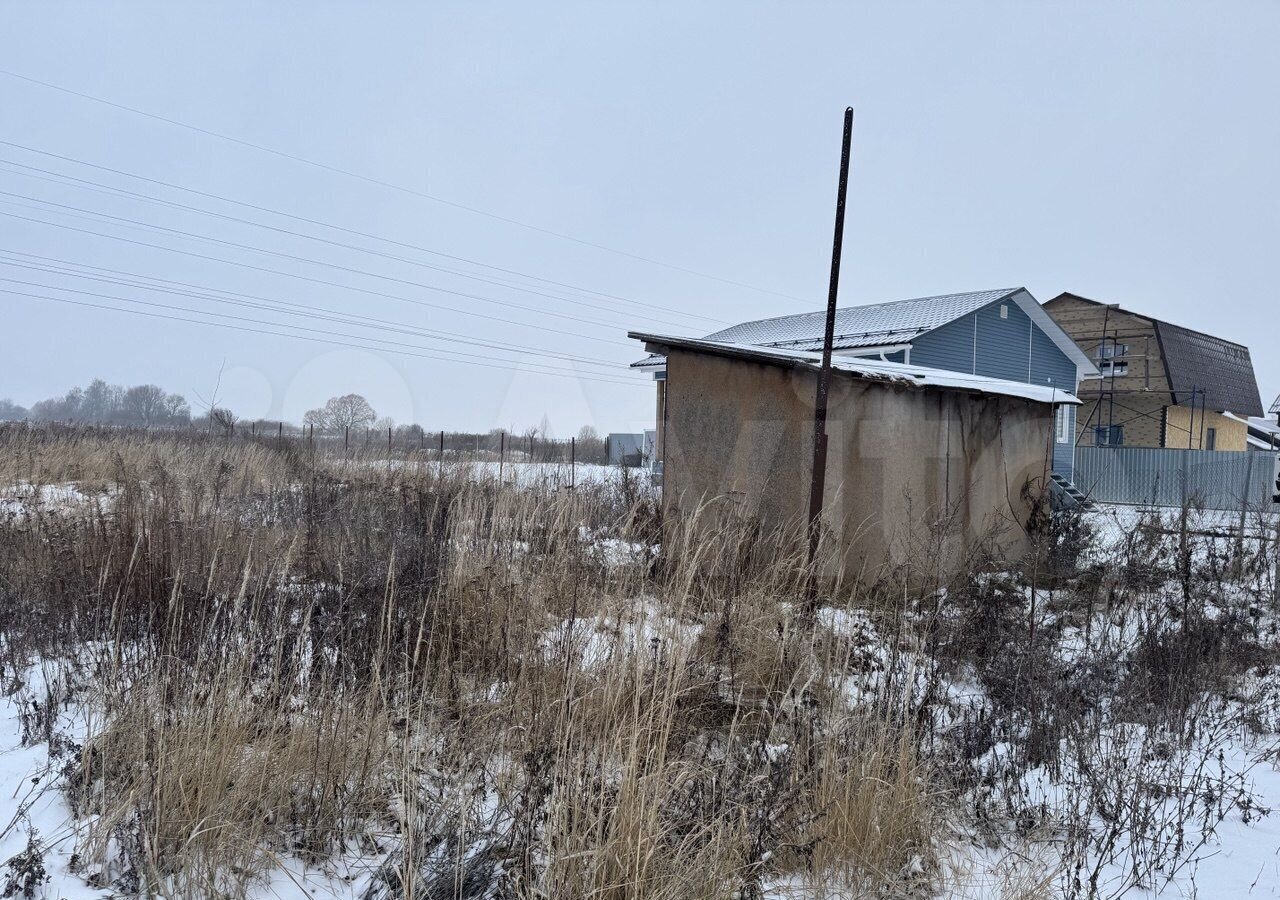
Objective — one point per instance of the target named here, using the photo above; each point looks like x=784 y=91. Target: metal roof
x=906 y=374
x=886 y=324
x=861 y=326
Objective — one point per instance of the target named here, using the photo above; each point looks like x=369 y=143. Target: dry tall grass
x=482 y=690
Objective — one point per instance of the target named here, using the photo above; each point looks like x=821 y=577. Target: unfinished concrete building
x=918 y=457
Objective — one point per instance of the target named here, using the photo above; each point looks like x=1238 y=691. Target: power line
x=340 y=228
x=341 y=343
x=305 y=259
x=307 y=278
x=246 y=319
x=266 y=303
x=393 y=186
x=61 y=178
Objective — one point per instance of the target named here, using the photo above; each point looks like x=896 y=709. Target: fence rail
x=1217 y=479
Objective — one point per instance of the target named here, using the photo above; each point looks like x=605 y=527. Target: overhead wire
x=72 y=269
x=307 y=278
x=325 y=224
x=392 y=185
x=303 y=259
x=349 y=342
x=85 y=184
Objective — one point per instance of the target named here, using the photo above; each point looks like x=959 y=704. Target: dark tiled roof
x=1197 y=361
x=1222 y=369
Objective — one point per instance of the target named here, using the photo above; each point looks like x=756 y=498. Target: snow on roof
x=886 y=324
x=858 y=367
x=1258 y=424
x=861 y=326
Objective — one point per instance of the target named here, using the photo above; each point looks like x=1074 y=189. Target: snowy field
x=1128 y=811
x=518 y=473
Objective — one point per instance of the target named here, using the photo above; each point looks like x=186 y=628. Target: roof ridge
x=1000 y=292
x=1152 y=319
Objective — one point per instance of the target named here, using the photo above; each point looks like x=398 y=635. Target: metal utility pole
x=824 y=374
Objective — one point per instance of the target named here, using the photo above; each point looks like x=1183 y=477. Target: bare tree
x=176 y=408
x=144 y=404
x=347 y=411
x=10 y=411
x=591 y=446
x=101 y=401
x=223 y=418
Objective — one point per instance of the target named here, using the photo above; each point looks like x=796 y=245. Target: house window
x=1004 y=311
x=1110 y=348
x=1108 y=435
x=1062 y=426
x=1110 y=369
x=1211 y=439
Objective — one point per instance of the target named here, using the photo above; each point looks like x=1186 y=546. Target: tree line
x=148 y=405
x=348 y=415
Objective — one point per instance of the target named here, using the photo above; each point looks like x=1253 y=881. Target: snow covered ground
x=22 y=499
x=522 y=473
x=1239 y=856
x=1242 y=859
x=38 y=833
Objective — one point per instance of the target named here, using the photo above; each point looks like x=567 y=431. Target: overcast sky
x=1125 y=152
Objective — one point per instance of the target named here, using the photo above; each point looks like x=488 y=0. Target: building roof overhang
x=900 y=374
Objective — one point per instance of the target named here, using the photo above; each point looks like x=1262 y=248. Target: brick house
x=1161 y=385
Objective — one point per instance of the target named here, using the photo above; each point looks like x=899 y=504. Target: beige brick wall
x=1138 y=397
x=1188 y=428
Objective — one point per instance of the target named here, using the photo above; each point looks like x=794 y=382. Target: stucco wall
x=739 y=434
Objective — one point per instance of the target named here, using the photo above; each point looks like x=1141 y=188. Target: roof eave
x=656 y=343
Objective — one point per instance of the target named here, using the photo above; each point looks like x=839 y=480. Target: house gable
x=1176 y=360
x=949 y=347
x=1001 y=341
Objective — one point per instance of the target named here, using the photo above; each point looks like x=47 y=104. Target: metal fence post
x=1244 y=507
x=1186 y=475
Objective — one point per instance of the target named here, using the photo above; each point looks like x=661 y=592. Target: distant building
x=1003 y=334
x=1160 y=385
x=624 y=449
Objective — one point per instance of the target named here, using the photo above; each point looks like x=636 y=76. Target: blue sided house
x=1003 y=334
